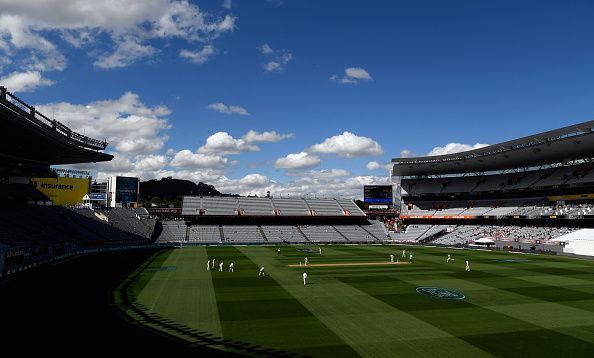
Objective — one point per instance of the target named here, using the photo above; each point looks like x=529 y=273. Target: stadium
x=488 y=253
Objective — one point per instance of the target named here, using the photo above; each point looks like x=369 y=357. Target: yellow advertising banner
x=63 y=191
x=571 y=197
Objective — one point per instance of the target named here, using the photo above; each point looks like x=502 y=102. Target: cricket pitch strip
x=352 y=264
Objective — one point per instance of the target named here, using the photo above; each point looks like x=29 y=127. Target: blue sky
x=155 y=79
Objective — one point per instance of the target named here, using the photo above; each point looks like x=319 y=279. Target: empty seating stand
x=322 y=233
x=256 y=206
x=291 y=207
x=283 y=233
x=325 y=207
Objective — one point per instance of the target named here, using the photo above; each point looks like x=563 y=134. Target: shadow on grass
x=127 y=302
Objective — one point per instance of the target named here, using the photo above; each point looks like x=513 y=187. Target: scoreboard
x=377 y=194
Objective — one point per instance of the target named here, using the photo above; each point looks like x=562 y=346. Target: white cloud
x=24 y=81
x=453 y=147
x=273 y=66
x=228 y=109
x=405 y=153
x=127 y=51
x=278 y=58
x=128 y=124
x=352 y=75
x=132 y=30
x=227 y=4
x=297 y=161
x=373 y=165
x=323 y=173
x=198 y=57
x=265 y=49
x=272 y=136
x=223 y=143
x=185 y=159
x=150 y=162
x=348 y=145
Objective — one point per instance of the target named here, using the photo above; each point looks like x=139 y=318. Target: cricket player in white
x=306 y=261
x=467 y=265
x=305 y=278
x=320 y=250
x=221 y=266
x=213 y=262
x=262 y=273
x=449 y=259
x=391 y=258
x=278 y=251
x=410 y=257
x=403 y=253
x=208 y=265
x=231 y=269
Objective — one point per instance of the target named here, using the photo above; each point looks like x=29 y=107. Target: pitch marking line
x=352 y=264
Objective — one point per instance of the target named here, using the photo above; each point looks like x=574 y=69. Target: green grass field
x=536 y=306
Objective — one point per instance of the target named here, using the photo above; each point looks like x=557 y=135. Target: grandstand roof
x=555 y=146
x=31 y=136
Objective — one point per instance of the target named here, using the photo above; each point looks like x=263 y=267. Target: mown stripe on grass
x=185 y=295
x=370 y=326
x=260 y=311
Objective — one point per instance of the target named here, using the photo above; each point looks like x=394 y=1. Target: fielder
x=306 y=261
x=213 y=262
x=231 y=267
x=467 y=266
x=221 y=266
x=208 y=265
x=391 y=258
x=410 y=258
x=403 y=253
x=320 y=250
x=449 y=259
x=278 y=251
x=262 y=273
x=304 y=278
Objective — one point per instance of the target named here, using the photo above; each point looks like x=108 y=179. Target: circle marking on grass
x=442 y=293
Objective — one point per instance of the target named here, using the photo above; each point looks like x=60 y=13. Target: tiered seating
x=219 y=206
x=192 y=205
x=350 y=207
x=325 y=207
x=282 y=233
x=321 y=233
x=173 y=231
x=412 y=233
x=377 y=229
x=128 y=220
x=205 y=234
x=354 y=233
x=238 y=234
x=434 y=230
x=256 y=206
x=291 y=207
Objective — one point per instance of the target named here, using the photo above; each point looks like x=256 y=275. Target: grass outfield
x=530 y=306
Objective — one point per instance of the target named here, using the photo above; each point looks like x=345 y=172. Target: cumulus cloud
x=405 y=153
x=453 y=147
x=198 y=57
x=352 y=75
x=129 y=125
x=348 y=145
x=223 y=143
x=187 y=160
x=297 y=161
x=373 y=165
x=265 y=49
x=278 y=59
x=24 y=81
x=228 y=109
x=114 y=36
x=271 y=136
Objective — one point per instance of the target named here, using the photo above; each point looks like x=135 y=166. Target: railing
x=32 y=115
